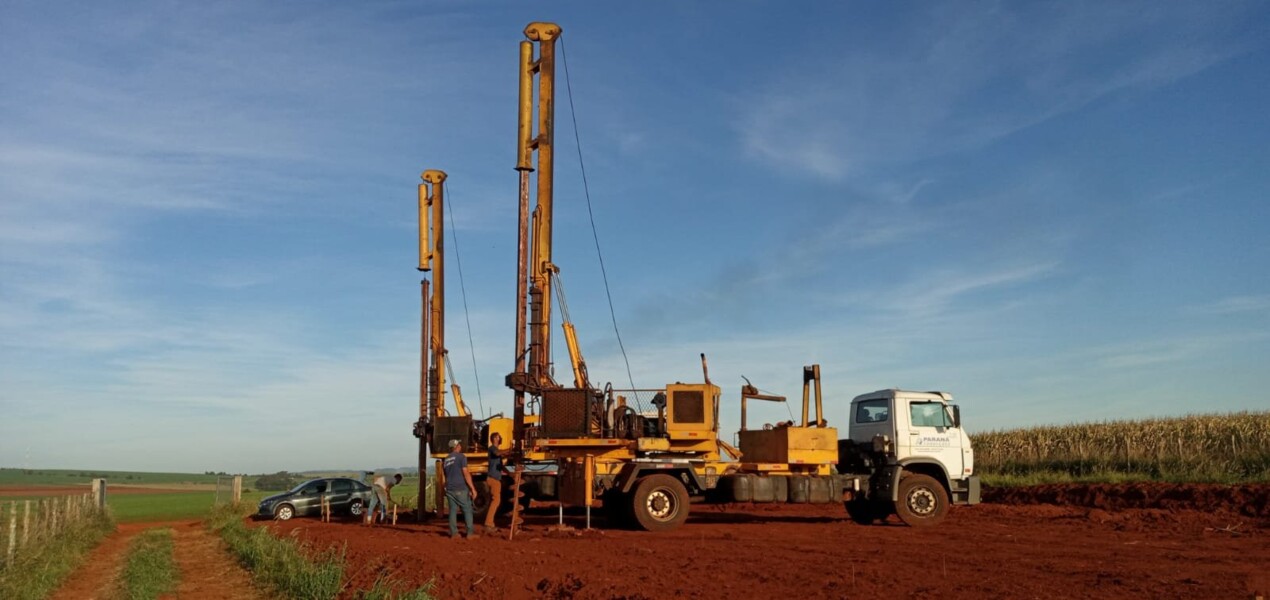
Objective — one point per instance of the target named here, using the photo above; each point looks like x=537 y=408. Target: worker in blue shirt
x=459 y=490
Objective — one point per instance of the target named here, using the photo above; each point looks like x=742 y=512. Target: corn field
x=1225 y=448
x=30 y=524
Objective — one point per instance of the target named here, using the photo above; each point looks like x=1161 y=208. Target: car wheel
x=356 y=507
x=284 y=512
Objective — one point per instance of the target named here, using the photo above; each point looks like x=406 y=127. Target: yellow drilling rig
x=579 y=443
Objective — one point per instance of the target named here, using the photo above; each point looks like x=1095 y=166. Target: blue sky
x=1057 y=212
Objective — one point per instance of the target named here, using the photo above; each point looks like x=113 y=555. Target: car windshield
x=296 y=489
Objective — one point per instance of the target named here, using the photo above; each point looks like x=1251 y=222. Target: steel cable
x=458 y=262
x=586 y=188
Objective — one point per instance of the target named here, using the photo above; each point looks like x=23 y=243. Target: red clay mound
x=1247 y=500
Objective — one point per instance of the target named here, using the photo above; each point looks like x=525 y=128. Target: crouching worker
x=380 y=497
x=459 y=490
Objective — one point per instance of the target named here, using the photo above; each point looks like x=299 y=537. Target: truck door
x=931 y=434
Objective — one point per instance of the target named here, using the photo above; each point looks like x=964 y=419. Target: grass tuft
x=293 y=570
x=35 y=574
x=279 y=563
x=149 y=570
x=387 y=588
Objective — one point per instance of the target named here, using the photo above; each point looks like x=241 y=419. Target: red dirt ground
x=1018 y=547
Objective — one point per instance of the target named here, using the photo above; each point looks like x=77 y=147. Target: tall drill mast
x=432 y=321
x=533 y=287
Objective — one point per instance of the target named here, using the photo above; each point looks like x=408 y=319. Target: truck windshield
x=873 y=411
x=929 y=414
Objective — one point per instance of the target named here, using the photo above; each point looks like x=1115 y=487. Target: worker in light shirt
x=381 y=496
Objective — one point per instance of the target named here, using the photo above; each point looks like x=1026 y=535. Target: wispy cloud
x=1236 y=304
x=970 y=77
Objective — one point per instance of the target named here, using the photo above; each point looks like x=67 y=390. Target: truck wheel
x=617 y=509
x=923 y=501
x=480 y=504
x=660 y=503
x=862 y=511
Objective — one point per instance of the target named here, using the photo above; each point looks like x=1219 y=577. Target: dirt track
x=1010 y=549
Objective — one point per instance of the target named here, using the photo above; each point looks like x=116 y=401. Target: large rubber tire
x=505 y=504
x=923 y=501
x=480 y=504
x=283 y=512
x=617 y=509
x=862 y=511
x=659 y=503
x=356 y=508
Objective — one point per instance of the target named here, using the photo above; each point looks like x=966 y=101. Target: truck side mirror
x=956 y=416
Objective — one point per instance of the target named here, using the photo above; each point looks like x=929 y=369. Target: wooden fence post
x=238 y=489
x=13 y=531
x=99 y=493
x=26 y=523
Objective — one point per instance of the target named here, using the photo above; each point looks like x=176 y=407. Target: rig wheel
x=659 y=503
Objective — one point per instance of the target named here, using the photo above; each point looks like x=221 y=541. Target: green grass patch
x=149 y=569
x=291 y=569
x=36 y=573
x=387 y=588
x=9 y=476
x=160 y=507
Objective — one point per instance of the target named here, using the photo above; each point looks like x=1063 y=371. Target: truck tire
x=617 y=509
x=659 y=503
x=923 y=501
x=863 y=511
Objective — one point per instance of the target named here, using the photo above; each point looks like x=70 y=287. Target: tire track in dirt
x=96 y=577
x=206 y=569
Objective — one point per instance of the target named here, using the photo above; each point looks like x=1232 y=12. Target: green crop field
x=10 y=476
x=1224 y=448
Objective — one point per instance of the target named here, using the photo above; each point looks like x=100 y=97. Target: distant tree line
x=281 y=480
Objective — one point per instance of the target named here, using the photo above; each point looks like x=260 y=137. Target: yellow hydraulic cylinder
x=524 y=133
x=575 y=357
x=425 y=233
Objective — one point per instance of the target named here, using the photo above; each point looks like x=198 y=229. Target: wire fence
x=28 y=524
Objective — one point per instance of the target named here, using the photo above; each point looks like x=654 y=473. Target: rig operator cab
x=915 y=453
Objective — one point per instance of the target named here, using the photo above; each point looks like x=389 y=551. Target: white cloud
x=1236 y=304
x=968 y=77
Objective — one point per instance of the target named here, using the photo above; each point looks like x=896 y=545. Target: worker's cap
x=454 y=444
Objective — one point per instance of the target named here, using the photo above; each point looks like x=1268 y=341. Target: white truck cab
x=914 y=444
